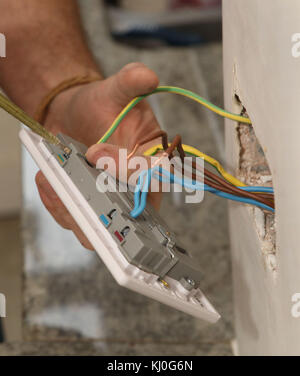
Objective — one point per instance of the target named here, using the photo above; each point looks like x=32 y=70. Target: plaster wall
x=262 y=67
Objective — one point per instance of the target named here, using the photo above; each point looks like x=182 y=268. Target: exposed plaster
x=253 y=169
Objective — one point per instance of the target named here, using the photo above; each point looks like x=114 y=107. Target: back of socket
x=142 y=254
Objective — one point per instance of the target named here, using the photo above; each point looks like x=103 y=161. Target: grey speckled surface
x=107 y=348
x=72 y=304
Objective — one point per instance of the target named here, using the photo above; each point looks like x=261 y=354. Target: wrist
x=59 y=110
x=59 y=102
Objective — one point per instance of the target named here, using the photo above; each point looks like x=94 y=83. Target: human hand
x=86 y=112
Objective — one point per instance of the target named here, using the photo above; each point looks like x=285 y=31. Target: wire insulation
x=175 y=90
x=197 y=153
x=142 y=189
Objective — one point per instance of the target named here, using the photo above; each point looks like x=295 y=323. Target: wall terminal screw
x=190 y=282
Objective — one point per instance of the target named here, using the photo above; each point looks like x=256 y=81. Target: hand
x=86 y=112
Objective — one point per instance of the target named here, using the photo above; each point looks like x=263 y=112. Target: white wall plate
x=192 y=302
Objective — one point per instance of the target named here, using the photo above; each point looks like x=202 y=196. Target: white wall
x=259 y=65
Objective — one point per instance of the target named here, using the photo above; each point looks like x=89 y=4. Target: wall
x=10 y=170
x=10 y=232
x=260 y=68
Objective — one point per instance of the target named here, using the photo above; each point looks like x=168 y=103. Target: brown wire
x=226 y=187
x=177 y=144
x=210 y=178
x=213 y=180
x=238 y=191
x=174 y=145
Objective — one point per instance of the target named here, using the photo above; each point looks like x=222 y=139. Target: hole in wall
x=253 y=169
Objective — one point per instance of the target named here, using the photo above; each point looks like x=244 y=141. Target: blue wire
x=257 y=189
x=200 y=186
x=138 y=189
x=191 y=184
x=140 y=200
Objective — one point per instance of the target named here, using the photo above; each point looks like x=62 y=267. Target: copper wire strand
x=157 y=134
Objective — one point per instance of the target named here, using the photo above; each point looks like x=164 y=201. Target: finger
x=116 y=159
x=95 y=152
x=102 y=150
x=82 y=238
x=133 y=80
x=57 y=209
x=52 y=202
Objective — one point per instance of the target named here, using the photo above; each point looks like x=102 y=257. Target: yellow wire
x=191 y=150
x=177 y=91
x=122 y=113
x=213 y=108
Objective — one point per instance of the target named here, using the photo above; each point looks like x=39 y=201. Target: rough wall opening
x=253 y=169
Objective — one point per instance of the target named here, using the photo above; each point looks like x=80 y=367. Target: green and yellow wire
x=188 y=149
x=175 y=90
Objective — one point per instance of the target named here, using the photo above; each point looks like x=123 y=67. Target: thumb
x=98 y=151
x=133 y=80
x=115 y=159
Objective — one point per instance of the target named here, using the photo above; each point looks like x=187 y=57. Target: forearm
x=45 y=46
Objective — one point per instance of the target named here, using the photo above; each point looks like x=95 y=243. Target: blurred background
x=172 y=22
x=61 y=300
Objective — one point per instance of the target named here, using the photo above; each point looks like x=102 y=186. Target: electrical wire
x=175 y=90
x=231 y=187
x=152 y=137
x=197 y=153
x=210 y=178
x=190 y=150
x=142 y=189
